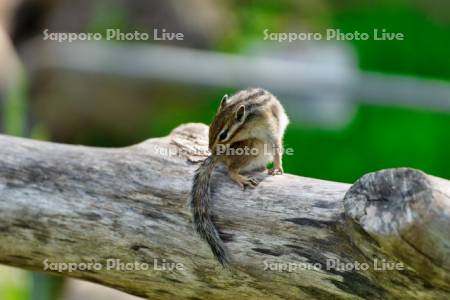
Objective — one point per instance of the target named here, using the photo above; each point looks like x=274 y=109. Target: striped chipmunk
x=245 y=135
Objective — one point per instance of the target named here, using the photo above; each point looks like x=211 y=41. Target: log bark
x=91 y=206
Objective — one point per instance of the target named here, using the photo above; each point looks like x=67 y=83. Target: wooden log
x=290 y=238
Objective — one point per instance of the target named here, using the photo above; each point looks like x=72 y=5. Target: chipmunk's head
x=229 y=119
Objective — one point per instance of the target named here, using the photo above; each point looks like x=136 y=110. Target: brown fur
x=249 y=119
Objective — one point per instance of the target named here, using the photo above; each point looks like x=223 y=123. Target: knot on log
x=388 y=201
x=407 y=213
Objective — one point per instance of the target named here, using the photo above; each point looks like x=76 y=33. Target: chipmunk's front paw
x=244 y=182
x=276 y=171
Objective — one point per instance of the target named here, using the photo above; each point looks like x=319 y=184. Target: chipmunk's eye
x=223 y=135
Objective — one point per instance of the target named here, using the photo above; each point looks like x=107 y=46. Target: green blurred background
x=70 y=106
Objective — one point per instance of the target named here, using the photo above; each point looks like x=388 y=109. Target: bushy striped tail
x=200 y=207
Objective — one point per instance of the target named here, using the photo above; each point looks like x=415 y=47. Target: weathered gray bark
x=80 y=204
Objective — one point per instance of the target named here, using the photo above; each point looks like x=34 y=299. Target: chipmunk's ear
x=241 y=114
x=224 y=100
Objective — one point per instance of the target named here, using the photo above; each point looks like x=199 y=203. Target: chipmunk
x=251 y=120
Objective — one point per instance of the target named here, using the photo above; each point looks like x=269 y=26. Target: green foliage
x=108 y=15
x=379 y=137
x=15 y=107
x=423 y=52
x=14 y=284
x=46 y=287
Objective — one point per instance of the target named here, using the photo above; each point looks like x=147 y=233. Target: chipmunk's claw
x=249 y=182
x=253 y=181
